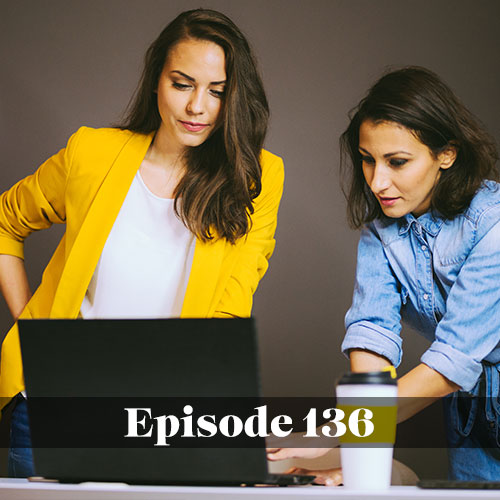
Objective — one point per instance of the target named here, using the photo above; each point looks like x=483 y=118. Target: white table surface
x=18 y=489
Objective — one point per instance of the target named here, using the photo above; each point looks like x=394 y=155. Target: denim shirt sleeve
x=470 y=328
x=373 y=322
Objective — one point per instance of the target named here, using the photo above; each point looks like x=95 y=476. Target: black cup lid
x=359 y=378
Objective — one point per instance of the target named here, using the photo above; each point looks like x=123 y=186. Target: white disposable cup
x=367 y=468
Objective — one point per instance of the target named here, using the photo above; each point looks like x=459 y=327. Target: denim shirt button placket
x=425 y=281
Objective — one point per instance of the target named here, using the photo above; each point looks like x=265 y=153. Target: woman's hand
x=327 y=477
x=275 y=454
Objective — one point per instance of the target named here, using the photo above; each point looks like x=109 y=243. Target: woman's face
x=190 y=92
x=401 y=171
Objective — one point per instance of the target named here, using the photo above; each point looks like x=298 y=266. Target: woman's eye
x=180 y=86
x=217 y=93
x=398 y=162
x=367 y=159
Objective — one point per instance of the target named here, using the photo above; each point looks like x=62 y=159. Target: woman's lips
x=387 y=202
x=193 y=126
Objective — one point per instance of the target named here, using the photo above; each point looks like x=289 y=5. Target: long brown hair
x=420 y=101
x=223 y=174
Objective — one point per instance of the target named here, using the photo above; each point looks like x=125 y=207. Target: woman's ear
x=448 y=156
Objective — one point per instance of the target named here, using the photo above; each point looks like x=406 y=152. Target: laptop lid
x=81 y=375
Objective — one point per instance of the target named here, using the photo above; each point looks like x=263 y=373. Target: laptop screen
x=82 y=375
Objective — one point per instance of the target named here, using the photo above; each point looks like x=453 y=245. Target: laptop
x=105 y=398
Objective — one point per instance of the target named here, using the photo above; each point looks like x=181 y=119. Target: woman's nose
x=196 y=104
x=381 y=179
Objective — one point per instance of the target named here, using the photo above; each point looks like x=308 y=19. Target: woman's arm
x=417 y=389
x=14 y=284
x=373 y=322
x=366 y=361
x=469 y=330
x=33 y=203
x=37 y=201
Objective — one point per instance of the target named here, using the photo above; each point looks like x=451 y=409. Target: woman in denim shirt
x=422 y=188
x=423 y=191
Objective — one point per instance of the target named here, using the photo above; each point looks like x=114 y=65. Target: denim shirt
x=442 y=278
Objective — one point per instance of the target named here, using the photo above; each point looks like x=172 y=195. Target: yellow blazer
x=84 y=186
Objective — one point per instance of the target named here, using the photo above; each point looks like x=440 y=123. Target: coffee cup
x=369 y=401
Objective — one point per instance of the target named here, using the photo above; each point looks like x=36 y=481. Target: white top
x=145 y=264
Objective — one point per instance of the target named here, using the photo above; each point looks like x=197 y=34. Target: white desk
x=15 y=489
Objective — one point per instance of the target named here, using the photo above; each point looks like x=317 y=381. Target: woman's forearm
x=14 y=284
x=417 y=389
x=366 y=361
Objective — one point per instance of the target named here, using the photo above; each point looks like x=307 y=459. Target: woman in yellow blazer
x=194 y=132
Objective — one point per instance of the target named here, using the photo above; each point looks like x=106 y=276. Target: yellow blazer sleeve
x=35 y=202
x=255 y=249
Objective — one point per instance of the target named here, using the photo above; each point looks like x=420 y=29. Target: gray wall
x=68 y=63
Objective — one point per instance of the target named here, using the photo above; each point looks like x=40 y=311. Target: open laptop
x=81 y=375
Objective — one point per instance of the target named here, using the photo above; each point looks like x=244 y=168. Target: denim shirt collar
x=431 y=222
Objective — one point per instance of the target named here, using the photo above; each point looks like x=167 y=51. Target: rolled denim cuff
x=453 y=364
x=374 y=338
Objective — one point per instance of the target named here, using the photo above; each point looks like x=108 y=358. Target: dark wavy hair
x=420 y=101
x=223 y=175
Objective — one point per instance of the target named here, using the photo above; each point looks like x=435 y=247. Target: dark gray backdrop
x=69 y=63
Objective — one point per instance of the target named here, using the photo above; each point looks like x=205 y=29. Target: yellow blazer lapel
x=95 y=229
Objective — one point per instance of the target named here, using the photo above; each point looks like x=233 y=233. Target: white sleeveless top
x=144 y=267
